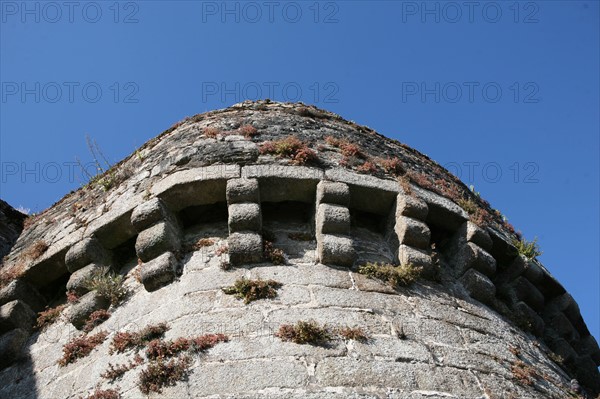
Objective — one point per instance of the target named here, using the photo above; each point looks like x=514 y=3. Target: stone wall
x=480 y=310
x=11 y=225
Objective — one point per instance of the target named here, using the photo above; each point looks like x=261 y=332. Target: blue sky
x=505 y=94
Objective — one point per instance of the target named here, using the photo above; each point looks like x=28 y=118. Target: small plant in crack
x=524 y=373
x=81 y=346
x=290 y=147
x=165 y=368
x=161 y=373
x=115 y=372
x=252 y=290
x=95 y=319
x=353 y=333
x=248 y=131
x=272 y=254
x=211 y=132
x=158 y=348
x=124 y=340
x=403 y=275
x=107 y=284
x=304 y=332
x=221 y=250
x=529 y=249
x=48 y=316
x=104 y=394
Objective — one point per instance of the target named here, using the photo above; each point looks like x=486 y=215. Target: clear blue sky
x=508 y=91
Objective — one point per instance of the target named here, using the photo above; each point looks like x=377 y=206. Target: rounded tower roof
x=277 y=250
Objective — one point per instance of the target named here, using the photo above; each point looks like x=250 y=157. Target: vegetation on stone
x=252 y=290
x=36 y=250
x=107 y=284
x=81 y=346
x=393 y=166
x=523 y=373
x=115 y=372
x=353 y=333
x=72 y=296
x=529 y=249
x=304 y=332
x=367 y=167
x=403 y=275
x=248 y=131
x=124 y=340
x=221 y=250
x=290 y=147
x=211 y=132
x=161 y=373
x=162 y=349
x=48 y=316
x=96 y=318
x=105 y=394
x=272 y=254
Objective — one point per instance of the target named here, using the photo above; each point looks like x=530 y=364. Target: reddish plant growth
x=290 y=147
x=125 y=340
x=81 y=346
x=96 y=318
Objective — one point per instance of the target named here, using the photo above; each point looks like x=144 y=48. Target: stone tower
x=320 y=226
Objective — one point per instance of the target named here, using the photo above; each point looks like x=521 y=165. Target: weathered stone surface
x=410 y=206
x=478 y=286
x=156 y=240
x=563 y=303
x=233 y=377
x=562 y=348
x=516 y=268
x=475 y=234
x=472 y=256
x=333 y=219
x=359 y=372
x=77 y=280
x=88 y=250
x=16 y=314
x=245 y=248
x=535 y=273
x=588 y=346
x=531 y=318
x=587 y=373
x=159 y=271
x=442 y=212
x=21 y=290
x=10 y=346
x=362 y=180
x=11 y=225
x=233 y=149
x=242 y=190
x=333 y=193
x=285 y=183
x=559 y=323
x=335 y=250
x=149 y=213
x=197 y=186
x=367 y=193
x=414 y=256
x=244 y=217
x=527 y=292
x=79 y=312
x=412 y=232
